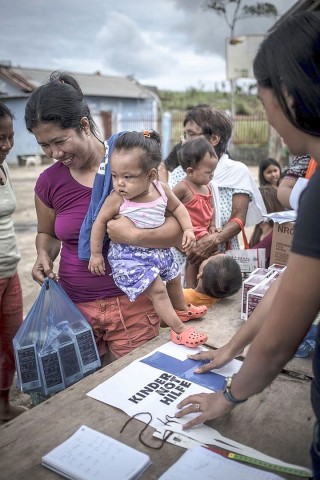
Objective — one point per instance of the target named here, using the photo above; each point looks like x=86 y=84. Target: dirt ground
x=24 y=179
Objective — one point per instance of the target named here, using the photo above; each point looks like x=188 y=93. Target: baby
x=219 y=277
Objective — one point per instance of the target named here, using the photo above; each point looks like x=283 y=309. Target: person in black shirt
x=287 y=71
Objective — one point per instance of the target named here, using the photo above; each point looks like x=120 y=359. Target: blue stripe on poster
x=185 y=369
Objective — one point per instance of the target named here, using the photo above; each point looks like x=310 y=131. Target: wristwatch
x=228 y=395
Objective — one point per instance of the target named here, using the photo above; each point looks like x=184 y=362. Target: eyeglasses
x=191 y=135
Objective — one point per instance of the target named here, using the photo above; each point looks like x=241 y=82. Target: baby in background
x=144 y=200
x=219 y=277
x=199 y=160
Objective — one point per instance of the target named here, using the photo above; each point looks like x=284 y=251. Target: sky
x=170 y=44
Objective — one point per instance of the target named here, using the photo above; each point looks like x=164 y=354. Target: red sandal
x=189 y=338
x=192 y=312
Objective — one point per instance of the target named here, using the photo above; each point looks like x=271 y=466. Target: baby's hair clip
x=146 y=133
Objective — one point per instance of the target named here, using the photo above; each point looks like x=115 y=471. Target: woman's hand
x=209 y=405
x=43 y=268
x=121 y=230
x=205 y=247
x=214 y=358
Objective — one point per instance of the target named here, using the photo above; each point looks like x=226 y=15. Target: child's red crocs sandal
x=192 y=312
x=188 y=338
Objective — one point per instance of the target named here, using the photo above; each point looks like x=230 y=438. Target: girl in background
x=269 y=172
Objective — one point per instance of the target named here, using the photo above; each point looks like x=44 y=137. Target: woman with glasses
x=237 y=200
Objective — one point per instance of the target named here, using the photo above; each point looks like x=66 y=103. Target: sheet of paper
x=282 y=217
x=201 y=463
x=205 y=435
x=157 y=382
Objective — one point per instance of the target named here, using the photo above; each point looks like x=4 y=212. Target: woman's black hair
x=263 y=165
x=59 y=101
x=212 y=122
x=288 y=62
x=221 y=277
x=5 y=111
x=147 y=141
x=193 y=151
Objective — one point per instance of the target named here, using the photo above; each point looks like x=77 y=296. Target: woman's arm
x=122 y=230
x=208 y=244
x=284 y=191
x=47 y=244
x=240 y=204
x=283 y=327
x=242 y=338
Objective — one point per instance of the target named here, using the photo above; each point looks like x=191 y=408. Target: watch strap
x=228 y=395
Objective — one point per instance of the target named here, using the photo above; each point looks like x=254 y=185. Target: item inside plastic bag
x=54 y=346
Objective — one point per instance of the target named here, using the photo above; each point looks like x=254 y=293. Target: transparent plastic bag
x=54 y=346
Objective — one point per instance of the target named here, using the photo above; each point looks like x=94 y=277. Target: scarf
x=236 y=175
x=102 y=187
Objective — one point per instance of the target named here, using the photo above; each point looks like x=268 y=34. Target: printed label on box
x=281 y=242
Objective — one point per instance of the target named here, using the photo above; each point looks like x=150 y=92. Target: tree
x=221 y=8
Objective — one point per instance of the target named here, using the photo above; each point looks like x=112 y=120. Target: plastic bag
x=54 y=346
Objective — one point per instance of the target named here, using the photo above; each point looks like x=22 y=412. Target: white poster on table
x=156 y=383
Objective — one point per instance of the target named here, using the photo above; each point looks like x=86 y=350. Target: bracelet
x=238 y=221
x=228 y=395
x=241 y=225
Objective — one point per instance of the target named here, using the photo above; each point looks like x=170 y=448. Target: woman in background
x=262 y=233
x=11 y=313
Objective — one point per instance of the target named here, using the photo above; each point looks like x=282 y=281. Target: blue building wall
x=25 y=143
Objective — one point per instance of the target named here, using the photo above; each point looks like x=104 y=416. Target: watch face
x=228 y=383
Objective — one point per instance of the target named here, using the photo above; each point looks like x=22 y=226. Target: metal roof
x=95 y=84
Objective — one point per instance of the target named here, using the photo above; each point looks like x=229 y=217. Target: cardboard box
x=257 y=293
x=249 y=259
x=281 y=242
x=249 y=283
x=275 y=267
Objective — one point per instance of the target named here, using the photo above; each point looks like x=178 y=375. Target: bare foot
x=11 y=411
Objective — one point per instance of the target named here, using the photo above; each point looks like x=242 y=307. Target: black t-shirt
x=172 y=162
x=306 y=240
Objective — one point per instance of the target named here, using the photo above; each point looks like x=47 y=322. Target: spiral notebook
x=89 y=454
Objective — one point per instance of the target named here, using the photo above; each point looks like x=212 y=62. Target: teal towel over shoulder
x=102 y=187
